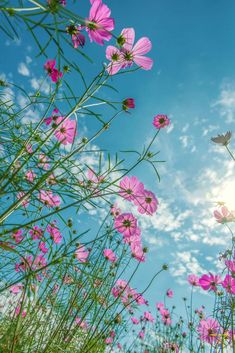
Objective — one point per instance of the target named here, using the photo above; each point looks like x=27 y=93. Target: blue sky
x=193 y=81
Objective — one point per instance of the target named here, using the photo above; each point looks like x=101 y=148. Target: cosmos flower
x=209 y=282
x=130 y=188
x=109 y=255
x=208 y=330
x=126 y=224
x=52 y=72
x=160 y=121
x=147 y=203
x=222 y=139
x=81 y=254
x=99 y=24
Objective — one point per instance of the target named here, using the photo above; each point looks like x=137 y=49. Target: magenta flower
x=209 y=282
x=126 y=224
x=52 y=72
x=135 y=53
x=18 y=236
x=166 y=318
x=48 y=199
x=99 y=24
x=78 y=38
x=141 y=334
x=52 y=118
x=160 y=121
x=147 y=203
x=169 y=293
x=54 y=233
x=109 y=255
x=130 y=188
x=16 y=288
x=229 y=284
x=128 y=103
x=36 y=232
x=65 y=133
x=208 y=330
x=81 y=254
x=193 y=280
x=42 y=247
x=148 y=316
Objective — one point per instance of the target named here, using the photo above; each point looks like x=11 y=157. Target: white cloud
x=23 y=69
x=40 y=83
x=226 y=102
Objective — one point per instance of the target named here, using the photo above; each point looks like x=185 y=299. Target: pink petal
x=143 y=46
x=129 y=35
x=114 y=67
x=144 y=62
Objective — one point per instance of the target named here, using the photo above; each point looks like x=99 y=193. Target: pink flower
x=135 y=321
x=16 y=288
x=135 y=54
x=81 y=323
x=166 y=318
x=230 y=265
x=229 y=284
x=18 y=236
x=65 y=133
x=224 y=215
x=161 y=121
x=40 y=261
x=29 y=148
x=52 y=118
x=128 y=103
x=78 y=38
x=115 y=56
x=137 y=251
x=19 y=196
x=208 y=330
x=52 y=72
x=141 y=334
x=36 y=233
x=109 y=255
x=169 y=293
x=48 y=199
x=130 y=188
x=209 y=282
x=30 y=175
x=99 y=23
x=148 y=316
x=147 y=203
x=126 y=224
x=43 y=159
x=81 y=254
x=159 y=306
x=115 y=211
x=109 y=340
x=193 y=280
x=55 y=234
x=42 y=247
x=18 y=310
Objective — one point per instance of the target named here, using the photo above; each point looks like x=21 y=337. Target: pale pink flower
x=19 y=196
x=18 y=236
x=93 y=177
x=52 y=72
x=109 y=255
x=65 y=133
x=43 y=161
x=109 y=340
x=159 y=306
x=208 y=330
x=29 y=148
x=40 y=261
x=209 y=282
x=193 y=280
x=30 y=176
x=18 y=310
x=166 y=318
x=147 y=203
x=115 y=211
x=141 y=334
x=51 y=180
x=126 y=224
x=116 y=58
x=224 y=215
x=160 y=121
x=81 y=254
x=99 y=24
x=48 y=199
x=16 y=288
x=78 y=38
x=137 y=251
x=135 y=53
x=131 y=188
x=229 y=284
x=81 y=323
